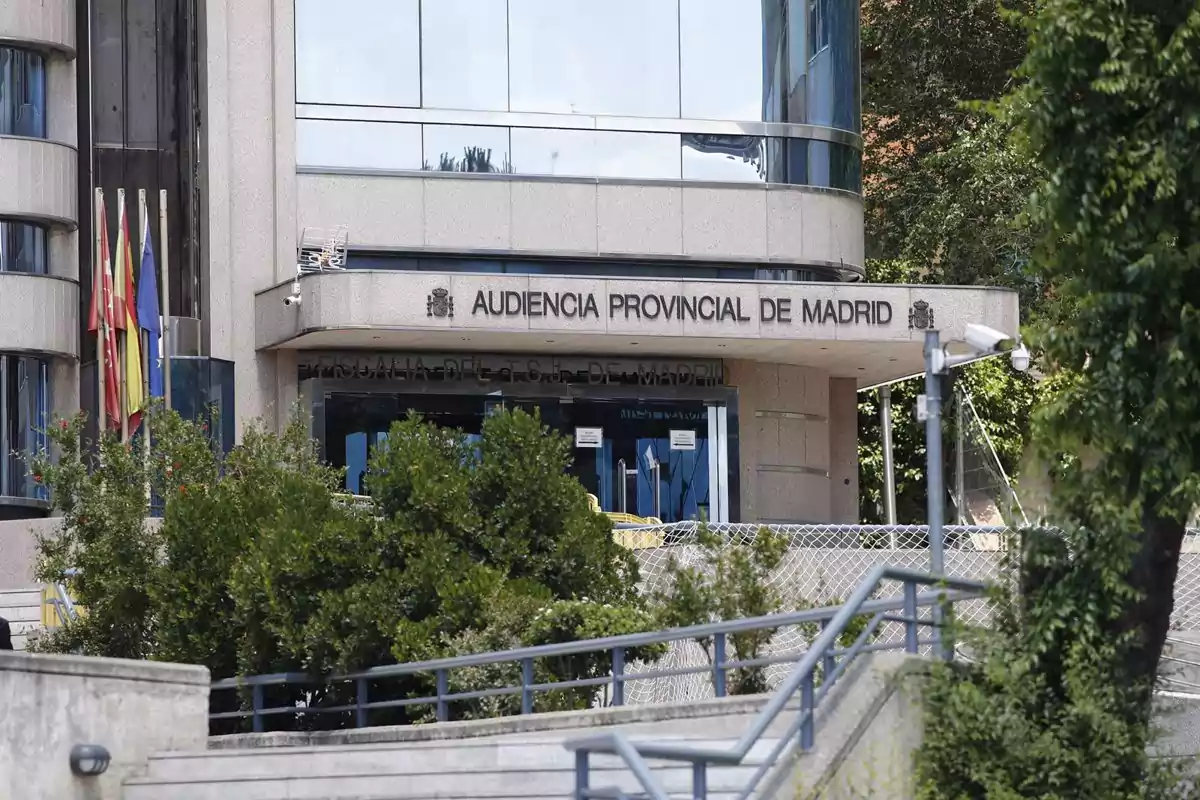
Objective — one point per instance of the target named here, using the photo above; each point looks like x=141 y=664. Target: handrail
x=361 y=705
x=625 y=641
x=800 y=680
x=64 y=605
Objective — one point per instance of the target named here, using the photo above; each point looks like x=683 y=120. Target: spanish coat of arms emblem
x=439 y=304
x=920 y=316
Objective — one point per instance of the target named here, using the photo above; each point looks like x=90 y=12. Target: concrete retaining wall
x=133 y=708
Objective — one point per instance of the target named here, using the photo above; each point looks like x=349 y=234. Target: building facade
x=642 y=218
x=39 y=219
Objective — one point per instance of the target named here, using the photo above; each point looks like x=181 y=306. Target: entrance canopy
x=869 y=332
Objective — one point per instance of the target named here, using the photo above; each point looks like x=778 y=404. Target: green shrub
x=258 y=566
x=734 y=581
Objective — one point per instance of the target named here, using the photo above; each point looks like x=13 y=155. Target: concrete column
x=287 y=386
x=784 y=442
x=843 y=450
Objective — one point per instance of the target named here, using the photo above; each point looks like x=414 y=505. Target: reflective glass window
x=358 y=52
x=466 y=148
x=815 y=163
x=594 y=267
x=544 y=151
x=22 y=247
x=730 y=59
x=718 y=157
x=22 y=93
x=598 y=154
x=617 y=57
x=823 y=55
x=464 y=54
x=24 y=406
x=338 y=144
x=648 y=156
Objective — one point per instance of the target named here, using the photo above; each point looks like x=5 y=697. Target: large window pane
x=358 y=145
x=815 y=163
x=22 y=93
x=22 y=247
x=649 y=156
x=725 y=69
x=740 y=159
x=596 y=154
x=616 y=57
x=464 y=53
x=823 y=54
x=23 y=408
x=358 y=52
x=466 y=148
x=544 y=151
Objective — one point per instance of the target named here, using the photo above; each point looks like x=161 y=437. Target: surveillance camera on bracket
x=1020 y=358
x=984 y=340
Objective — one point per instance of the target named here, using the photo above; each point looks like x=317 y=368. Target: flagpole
x=98 y=288
x=166 y=295
x=142 y=223
x=122 y=334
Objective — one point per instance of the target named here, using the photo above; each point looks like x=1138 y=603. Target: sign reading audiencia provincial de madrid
x=715 y=308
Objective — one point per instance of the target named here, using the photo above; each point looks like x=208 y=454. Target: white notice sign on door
x=683 y=440
x=589 y=437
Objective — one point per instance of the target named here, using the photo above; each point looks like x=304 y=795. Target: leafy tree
x=733 y=581
x=946 y=195
x=1060 y=704
x=259 y=565
x=103 y=550
x=1111 y=109
x=921 y=60
x=728 y=582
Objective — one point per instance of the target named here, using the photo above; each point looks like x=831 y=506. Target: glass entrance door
x=648 y=459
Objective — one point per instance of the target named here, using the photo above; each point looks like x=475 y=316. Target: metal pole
x=622 y=487
x=145 y=339
x=933 y=475
x=933 y=451
x=122 y=335
x=101 y=301
x=165 y=282
x=655 y=475
x=889 y=466
x=960 y=479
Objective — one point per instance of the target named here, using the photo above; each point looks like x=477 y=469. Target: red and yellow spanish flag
x=126 y=320
x=100 y=322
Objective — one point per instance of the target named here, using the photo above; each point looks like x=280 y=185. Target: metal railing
x=64 y=606
x=902 y=609
x=822 y=654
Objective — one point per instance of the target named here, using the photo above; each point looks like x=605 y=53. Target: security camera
x=983 y=339
x=292 y=300
x=1020 y=358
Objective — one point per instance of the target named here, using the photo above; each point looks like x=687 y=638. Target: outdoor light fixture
x=89 y=760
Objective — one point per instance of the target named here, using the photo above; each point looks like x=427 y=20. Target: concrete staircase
x=866 y=731
x=23 y=610
x=490 y=759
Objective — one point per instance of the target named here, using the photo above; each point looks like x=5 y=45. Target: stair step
x=20 y=597
x=458 y=769
x=495 y=784
x=438 y=756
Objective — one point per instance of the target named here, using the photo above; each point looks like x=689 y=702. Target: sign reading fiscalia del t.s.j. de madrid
x=715 y=308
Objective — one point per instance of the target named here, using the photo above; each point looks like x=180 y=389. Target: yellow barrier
x=50 y=611
x=638 y=538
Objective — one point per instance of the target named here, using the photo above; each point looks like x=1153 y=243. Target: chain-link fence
x=823 y=565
